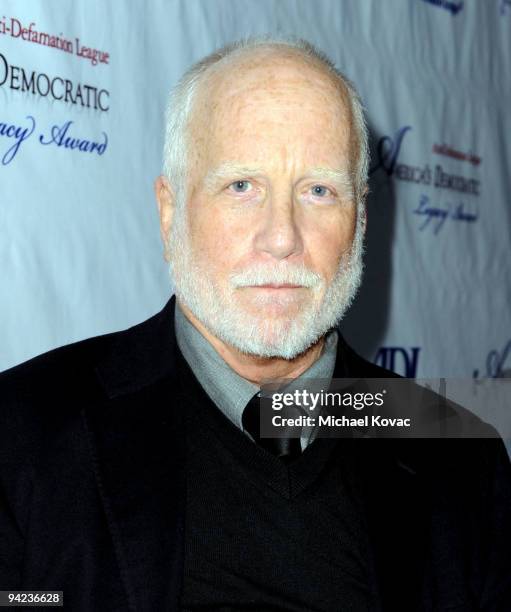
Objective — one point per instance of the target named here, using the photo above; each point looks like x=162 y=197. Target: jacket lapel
x=137 y=446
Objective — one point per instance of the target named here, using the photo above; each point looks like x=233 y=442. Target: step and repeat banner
x=83 y=87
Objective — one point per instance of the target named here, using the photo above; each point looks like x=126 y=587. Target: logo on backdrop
x=444 y=197
x=24 y=80
x=399 y=359
x=449 y=5
x=498 y=363
x=63 y=135
x=29 y=32
x=54 y=87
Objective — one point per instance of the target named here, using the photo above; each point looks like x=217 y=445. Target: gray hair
x=183 y=95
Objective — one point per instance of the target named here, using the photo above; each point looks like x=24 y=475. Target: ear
x=166 y=203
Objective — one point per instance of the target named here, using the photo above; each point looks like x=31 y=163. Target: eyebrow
x=230 y=169
x=341 y=177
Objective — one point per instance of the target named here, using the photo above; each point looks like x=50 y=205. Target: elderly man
x=133 y=474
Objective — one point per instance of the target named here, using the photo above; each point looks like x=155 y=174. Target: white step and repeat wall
x=82 y=94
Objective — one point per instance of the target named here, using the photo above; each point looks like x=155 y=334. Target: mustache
x=264 y=274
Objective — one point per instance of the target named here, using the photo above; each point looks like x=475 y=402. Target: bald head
x=269 y=94
x=254 y=72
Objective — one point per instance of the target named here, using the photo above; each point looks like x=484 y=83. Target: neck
x=257 y=370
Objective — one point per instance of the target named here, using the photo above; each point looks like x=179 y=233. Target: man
x=133 y=473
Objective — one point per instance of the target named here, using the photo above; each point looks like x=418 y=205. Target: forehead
x=283 y=100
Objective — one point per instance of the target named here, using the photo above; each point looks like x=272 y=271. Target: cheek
x=216 y=240
x=347 y=228
x=327 y=242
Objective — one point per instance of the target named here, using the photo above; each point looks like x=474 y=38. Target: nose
x=279 y=234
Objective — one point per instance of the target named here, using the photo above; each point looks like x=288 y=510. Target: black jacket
x=92 y=487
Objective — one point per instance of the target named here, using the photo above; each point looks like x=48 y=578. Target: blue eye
x=240 y=186
x=319 y=190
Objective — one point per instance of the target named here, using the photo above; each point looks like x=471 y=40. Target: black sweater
x=262 y=535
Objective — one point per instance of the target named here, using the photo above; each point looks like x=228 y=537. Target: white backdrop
x=79 y=242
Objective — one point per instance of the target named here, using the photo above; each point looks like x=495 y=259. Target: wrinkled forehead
x=266 y=67
x=269 y=90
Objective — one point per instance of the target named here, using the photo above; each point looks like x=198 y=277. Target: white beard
x=261 y=335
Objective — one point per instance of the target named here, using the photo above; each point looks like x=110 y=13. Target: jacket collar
x=140 y=355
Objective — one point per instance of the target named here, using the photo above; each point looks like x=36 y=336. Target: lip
x=277 y=286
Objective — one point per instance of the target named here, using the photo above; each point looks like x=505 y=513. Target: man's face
x=261 y=251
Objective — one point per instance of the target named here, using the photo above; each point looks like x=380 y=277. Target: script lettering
x=19 y=133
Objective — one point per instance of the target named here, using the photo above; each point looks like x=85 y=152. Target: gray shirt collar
x=227 y=389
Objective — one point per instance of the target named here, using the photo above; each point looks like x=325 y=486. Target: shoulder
x=59 y=371
x=64 y=367
x=420 y=400
x=43 y=396
x=44 y=405
x=448 y=439
x=46 y=394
